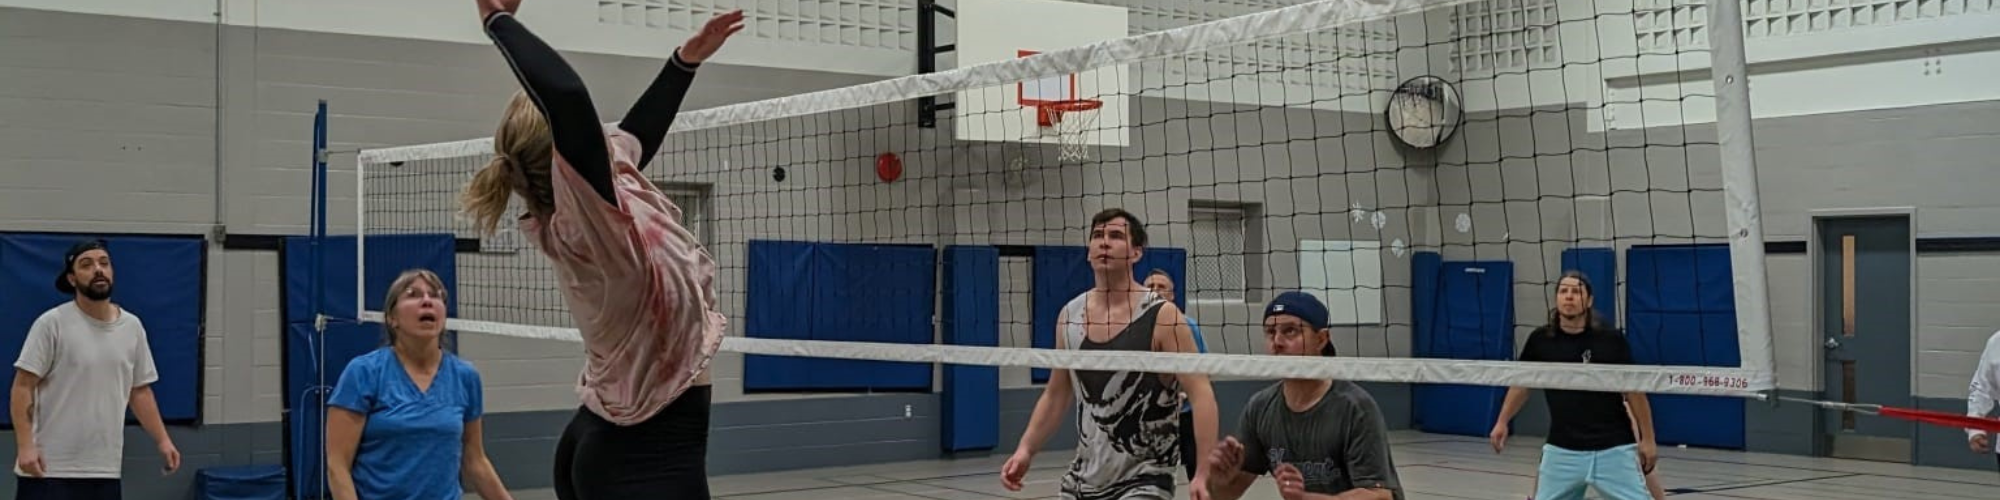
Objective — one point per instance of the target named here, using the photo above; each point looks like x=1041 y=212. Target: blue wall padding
x=387 y=257
x=248 y=482
x=1682 y=311
x=1473 y=319
x=1600 y=266
x=1425 y=289
x=840 y=292
x=876 y=293
x=971 y=396
x=1063 y=272
x=779 y=306
x=158 y=279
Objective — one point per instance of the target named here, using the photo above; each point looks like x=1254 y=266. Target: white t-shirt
x=1985 y=386
x=88 y=369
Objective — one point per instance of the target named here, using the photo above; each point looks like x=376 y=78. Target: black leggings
x=663 y=457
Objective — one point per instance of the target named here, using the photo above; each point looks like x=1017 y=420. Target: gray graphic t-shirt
x=1340 y=444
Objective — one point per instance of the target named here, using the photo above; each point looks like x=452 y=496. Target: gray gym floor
x=1432 y=466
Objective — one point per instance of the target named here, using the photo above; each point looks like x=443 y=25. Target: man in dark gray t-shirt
x=1316 y=438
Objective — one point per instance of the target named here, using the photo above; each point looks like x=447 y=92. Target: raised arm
x=655 y=110
x=559 y=93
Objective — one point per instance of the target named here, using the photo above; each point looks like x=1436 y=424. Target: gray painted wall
x=151 y=126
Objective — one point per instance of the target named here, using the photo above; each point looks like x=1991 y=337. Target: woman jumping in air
x=639 y=286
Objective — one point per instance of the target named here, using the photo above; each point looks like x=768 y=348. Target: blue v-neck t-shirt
x=412 y=443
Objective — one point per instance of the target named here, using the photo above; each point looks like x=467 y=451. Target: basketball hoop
x=1069 y=133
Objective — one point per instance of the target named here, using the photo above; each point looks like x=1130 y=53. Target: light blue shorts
x=1613 y=472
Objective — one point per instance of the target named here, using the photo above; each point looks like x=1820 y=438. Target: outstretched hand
x=488 y=7
x=705 y=42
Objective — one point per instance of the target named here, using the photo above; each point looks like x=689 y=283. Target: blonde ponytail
x=523 y=150
x=485 y=198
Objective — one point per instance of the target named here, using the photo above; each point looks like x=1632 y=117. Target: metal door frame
x=1816 y=310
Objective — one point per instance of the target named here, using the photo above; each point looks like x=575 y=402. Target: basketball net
x=1068 y=122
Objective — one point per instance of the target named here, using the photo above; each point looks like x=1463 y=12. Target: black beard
x=96 y=292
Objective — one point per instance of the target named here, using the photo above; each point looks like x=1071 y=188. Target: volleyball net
x=1428 y=169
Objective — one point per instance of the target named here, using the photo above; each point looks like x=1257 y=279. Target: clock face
x=1424 y=112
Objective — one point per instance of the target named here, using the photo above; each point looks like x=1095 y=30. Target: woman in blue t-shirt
x=404 y=421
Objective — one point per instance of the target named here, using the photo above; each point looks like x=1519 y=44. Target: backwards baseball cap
x=69 y=260
x=1303 y=306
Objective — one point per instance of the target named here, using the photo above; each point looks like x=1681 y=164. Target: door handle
x=1832 y=342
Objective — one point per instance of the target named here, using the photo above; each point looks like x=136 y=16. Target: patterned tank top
x=1128 y=423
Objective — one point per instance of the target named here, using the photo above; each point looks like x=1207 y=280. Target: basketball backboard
x=999 y=30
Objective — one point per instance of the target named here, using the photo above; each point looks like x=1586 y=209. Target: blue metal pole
x=318 y=231
x=317 y=235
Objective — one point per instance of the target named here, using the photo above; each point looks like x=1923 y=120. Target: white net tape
x=1276 y=23
x=1686 y=380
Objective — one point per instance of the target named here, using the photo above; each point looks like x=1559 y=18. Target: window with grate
x=1220 y=254
x=693 y=199
x=1500 y=35
x=884 y=24
x=1667 y=24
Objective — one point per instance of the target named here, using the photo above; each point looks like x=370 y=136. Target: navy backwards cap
x=1304 y=306
x=69 y=260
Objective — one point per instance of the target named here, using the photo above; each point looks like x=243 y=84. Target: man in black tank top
x=1127 y=422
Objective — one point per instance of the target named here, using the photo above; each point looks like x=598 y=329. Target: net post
x=1729 y=70
x=318 y=236
x=316 y=229
x=360 y=237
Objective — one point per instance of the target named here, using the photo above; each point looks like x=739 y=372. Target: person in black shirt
x=1592 y=440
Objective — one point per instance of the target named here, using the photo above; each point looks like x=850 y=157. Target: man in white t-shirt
x=1985 y=388
x=83 y=363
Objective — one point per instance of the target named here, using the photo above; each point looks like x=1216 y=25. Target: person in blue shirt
x=1163 y=285
x=404 y=420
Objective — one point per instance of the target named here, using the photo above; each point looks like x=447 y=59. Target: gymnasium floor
x=1432 y=466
